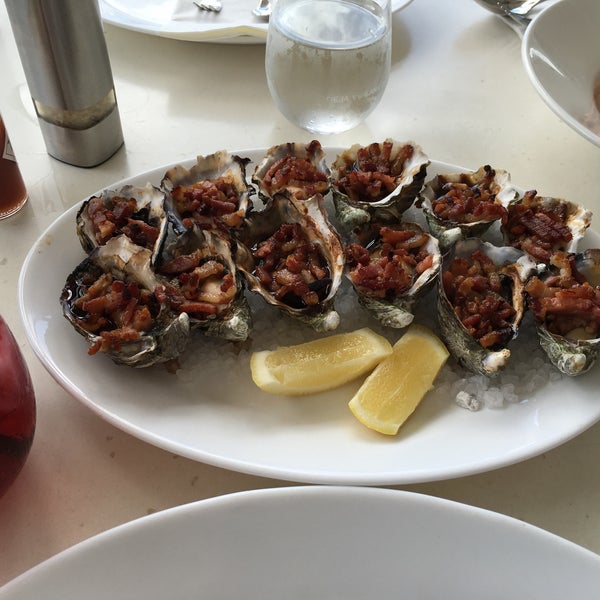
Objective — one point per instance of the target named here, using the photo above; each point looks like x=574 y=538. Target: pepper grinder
x=62 y=47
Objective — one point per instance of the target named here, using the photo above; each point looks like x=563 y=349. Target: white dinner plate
x=318 y=542
x=182 y=20
x=560 y=51
x=212 y=411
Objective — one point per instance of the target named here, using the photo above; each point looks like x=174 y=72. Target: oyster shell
x=566 y=304
x=461 y=205
x=390 y=268
x=491 y=279
x=298 y=168
x=291 y=255
x=541 y=225
x=112 y=298
x=213 y=193
x=378 y=181
x=137 y=212
x=204 y=282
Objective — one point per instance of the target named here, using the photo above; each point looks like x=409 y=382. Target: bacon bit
x=141 y=233
x=196 y=308
x=474 y=287
x=113 y=340
x=424 y=264
x=228 y=283
x=180 y=264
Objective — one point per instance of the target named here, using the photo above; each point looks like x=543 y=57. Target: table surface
x=457 y=87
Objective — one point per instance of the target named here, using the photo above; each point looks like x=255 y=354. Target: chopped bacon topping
x=465 y=202
x=297 y=172
x=540 y=231
x=374 y=173
x=292 y=268
x=115 y=310
x=122 y=217
x=474 y=286
x=389 y=271
x=198 y=286
x=207 y=201
x=565 y=302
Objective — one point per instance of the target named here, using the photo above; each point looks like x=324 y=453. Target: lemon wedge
x=320 y=364
x=392 y=392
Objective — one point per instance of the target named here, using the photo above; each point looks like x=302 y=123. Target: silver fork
x=209 y=5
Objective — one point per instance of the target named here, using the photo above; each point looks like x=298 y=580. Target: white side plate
x=182 y=20
x=318 y=542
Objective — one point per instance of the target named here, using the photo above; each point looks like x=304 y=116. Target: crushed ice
x=527 y=372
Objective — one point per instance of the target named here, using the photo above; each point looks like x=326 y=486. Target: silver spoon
x=262 y=9
x=516 y=9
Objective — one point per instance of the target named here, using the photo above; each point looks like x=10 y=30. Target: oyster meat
x=481 y=302
x=137 y=212
x=566 y=304
x=204 y=282
x=213 y=193
x=378 y=181
x=113 y=298
x=542 y=225
x=298 y=168
x=391 y=267
x=466 y=204
x=292 y=256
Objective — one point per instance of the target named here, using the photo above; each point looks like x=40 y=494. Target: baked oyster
x=462 y=205
x=390 y=268
x=566 y=304
x=204 y=282
x=114 y=299
x=137 y=212
x=541 y=225
x=379 y=181
x=481 y=302
x=300 y=169
x=291 y=255
x=213 y=193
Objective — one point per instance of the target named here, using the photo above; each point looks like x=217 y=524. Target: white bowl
x=561 y=53
x=320 y=542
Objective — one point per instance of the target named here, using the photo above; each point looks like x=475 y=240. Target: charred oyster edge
x=468 y=352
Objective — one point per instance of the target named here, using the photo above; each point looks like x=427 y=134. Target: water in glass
x=328 y=61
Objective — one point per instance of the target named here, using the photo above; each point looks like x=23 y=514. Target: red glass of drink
x=17 y=409
x=13 y=193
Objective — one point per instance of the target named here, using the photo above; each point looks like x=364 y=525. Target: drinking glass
x=328 y=61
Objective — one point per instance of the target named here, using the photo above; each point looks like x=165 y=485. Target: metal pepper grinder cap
x=62 y=47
